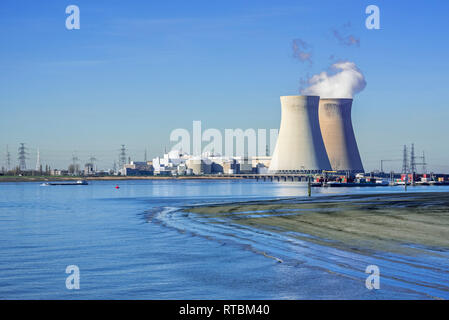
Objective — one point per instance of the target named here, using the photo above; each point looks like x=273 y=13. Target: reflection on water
x=126 y=246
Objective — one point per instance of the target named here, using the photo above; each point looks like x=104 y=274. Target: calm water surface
x=131 y=243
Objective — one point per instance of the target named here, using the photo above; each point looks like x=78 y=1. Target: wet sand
x=402 y=223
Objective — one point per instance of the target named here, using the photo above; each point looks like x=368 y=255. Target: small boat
x=76 y=183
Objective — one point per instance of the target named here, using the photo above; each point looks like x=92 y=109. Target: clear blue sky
x=136 y=70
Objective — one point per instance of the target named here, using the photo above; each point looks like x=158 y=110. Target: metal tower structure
x=145 y=156
x=424 y=163
x=8 y=159
x=75 y=163
x=122 y=156
x=38 y=161
x=412 y=160
x=413 y=163
x=22 y=157
x=405 y=161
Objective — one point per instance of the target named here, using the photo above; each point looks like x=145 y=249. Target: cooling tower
x=299 y=146
x=338 y=135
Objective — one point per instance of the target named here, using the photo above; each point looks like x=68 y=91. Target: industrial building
x=199 y=165
x=300 y=146
x=137 y=168
x=338 y=135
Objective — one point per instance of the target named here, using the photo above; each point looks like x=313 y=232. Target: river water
x=134 y=243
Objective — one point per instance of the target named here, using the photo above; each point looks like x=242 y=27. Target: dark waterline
x=128 y=247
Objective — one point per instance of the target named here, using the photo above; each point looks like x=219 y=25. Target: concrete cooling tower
x=338 y=135
x=299 y=147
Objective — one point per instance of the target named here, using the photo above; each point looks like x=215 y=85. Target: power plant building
x=300 y=146
x=199 y=165
x=338 y=135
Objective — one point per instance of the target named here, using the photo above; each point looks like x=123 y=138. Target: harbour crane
x=386 y=160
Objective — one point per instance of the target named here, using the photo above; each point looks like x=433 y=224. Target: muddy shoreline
x=406 y=223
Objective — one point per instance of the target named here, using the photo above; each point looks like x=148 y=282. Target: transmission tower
x=405 y=161
x=22 y=157
x=8 y=159
x=423 y=163
x=38 y=161
x=413 y=163
x=75 y=163
x=122 y=156
x=412 y=160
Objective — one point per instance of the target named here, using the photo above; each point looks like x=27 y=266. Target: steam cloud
x=345 y=39
x=348 y=40
x=346 y=81
x=301 y=51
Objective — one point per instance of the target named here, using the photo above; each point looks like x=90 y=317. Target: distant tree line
x=17 y=172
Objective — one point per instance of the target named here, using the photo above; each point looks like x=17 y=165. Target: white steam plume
x=346 y=81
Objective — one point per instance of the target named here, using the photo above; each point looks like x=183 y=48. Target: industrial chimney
x=299 y=147
x=338 y=135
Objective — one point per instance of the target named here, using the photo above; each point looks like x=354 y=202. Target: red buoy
x=117 y=187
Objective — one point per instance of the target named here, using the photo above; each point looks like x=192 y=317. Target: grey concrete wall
x=299 y=145
x=338 y=134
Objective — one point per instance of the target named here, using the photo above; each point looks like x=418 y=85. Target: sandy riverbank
x=407 y=223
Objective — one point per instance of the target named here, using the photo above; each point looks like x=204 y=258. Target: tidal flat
x=400 y=223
